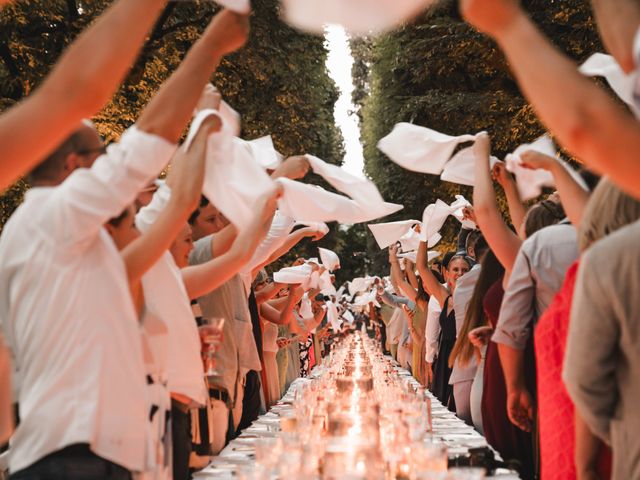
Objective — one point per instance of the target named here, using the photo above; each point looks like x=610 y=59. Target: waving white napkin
x=306 y=202
x=306 y=309
x=347 y=316
x=390 y=232
x=330 y=259
x=356 y=16
x=456 y=210
x=413 y=256
x=433 y=219
x=360 y=284
x=281 y=227
x=318 y=226
x=264 y=152
x=461 y=168
x=293 y=275
x=623 y=84
x=530 y=182
x=420 y=149
x=410 y=240
x=332 y=316
x=325 y=284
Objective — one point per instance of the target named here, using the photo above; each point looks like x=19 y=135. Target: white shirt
x=432 y=330
x=537 y=274
x=67 y=312
x=461 y=298
x=166 y=295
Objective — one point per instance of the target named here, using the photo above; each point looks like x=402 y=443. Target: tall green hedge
x=278 y=81
x=440 y=73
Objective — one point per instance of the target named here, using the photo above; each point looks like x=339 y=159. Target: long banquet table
x=447 y=428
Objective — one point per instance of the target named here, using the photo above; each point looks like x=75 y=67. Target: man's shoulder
x=621 y=247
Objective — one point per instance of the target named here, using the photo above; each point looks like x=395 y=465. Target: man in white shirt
x=65 y=304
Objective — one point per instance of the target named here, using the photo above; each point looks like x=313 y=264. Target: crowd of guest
x=142 y=332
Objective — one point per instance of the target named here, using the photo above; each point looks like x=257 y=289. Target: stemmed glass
x=210 y=340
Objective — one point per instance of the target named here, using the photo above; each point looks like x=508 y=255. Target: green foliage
x=440 y=73
x=278 y=82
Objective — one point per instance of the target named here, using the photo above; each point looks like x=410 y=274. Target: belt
x=221 y=395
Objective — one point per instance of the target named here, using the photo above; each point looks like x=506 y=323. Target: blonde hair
x=608 y=209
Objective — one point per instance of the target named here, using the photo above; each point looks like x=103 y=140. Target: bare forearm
x=206 y=277
x=517 y=211
x=577 y=111
x=587 y=447
x=618 y=21
x=574 y=197
x=80 y=84
x=512 y=361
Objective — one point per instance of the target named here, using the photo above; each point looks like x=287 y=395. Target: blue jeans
x=76 y=462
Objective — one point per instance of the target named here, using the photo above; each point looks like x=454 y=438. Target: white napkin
x=530 y=182
x=420 y=149
x=306 y=310
x=359 y=17
x=281 y=227
x=433 y=219
x=293 y=275
x=410 y=240
x=347 y=316
x=306 y=202
x=623 y=84
x=362 y=190
x=413 y=256
x=332 y=316
x=326 y=285
x=390 y=232
x=457 y=206
x=264 y=152
x=318 y=226
x=360 y=284
x=461 y=168
x=330 y=259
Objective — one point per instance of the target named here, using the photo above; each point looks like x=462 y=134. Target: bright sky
x=339 y=63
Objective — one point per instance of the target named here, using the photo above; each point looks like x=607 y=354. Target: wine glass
x=211 y=339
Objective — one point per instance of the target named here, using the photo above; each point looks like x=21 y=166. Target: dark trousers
x=75 y=462
x=251 y=400
x=181 y=437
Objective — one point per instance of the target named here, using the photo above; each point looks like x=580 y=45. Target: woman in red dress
x=563 y=454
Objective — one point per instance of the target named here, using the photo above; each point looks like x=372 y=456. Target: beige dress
x=269 y=351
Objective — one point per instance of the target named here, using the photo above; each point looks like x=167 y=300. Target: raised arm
x=403 y=285
x=584 y=118
x=517 y=210
x=185 y=180
x=84 y=79
x=573 y=195
x=429 y=280
x=292 y=240
x=618 y=22
x=501 y=239
x=170 y=110
x=281 y=313
x=206 y=277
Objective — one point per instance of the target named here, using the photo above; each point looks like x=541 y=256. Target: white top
x=537 y=274
x=432 y=330
x=461 y=298
x=166 y=295
x=67 y=312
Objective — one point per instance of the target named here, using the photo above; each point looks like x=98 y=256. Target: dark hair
x=590 y=178
x=543 y=214
x=116 y=221
x=51 y=167
x=194 y=215
x=447 y=258
x=459 y=257
x=481 y=247
x=491 y=271
x=472 y=239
